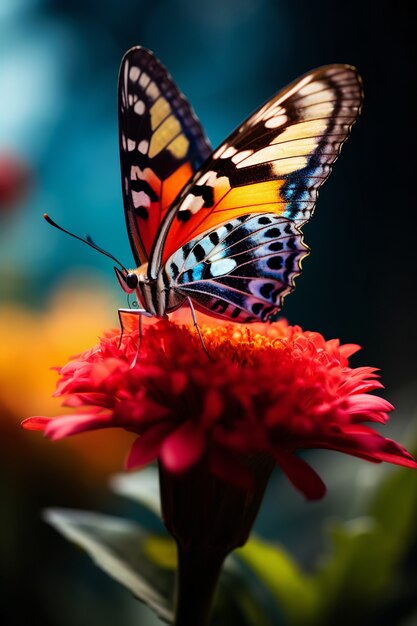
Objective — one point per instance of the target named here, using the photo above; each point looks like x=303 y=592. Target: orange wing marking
x=229 y=203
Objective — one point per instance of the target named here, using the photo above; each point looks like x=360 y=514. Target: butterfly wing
x=161 y=145
x=274 y=162
x=242 y=269
x=232 y=241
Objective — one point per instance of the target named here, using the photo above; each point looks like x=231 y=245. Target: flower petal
x=183 y=447
x=365 y=443
x=37 y=422
x=267 y=387
x=301 y=475
x=66 y=425
x=364 y=403
x=146 y=447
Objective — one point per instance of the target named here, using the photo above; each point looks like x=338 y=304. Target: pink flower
x=268 y=389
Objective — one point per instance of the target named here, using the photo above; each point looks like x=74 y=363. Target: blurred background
x=59 y=154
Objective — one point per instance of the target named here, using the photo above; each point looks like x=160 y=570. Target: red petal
x=301 y=475
x=213 y=406
x=35 y=423
x=66 y=425
x=358 y=429
x=367 y=444
x=348 y=349
x=103 y=370
x=92 y=399
x=363 y=403
x=392 y=452
x=146 y=447
x=183 y=447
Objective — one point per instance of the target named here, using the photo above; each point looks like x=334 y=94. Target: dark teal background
x=58 y=71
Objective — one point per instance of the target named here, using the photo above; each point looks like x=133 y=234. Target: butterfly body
x=154 y=297
x=221 y=231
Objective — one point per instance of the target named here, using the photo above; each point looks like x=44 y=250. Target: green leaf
x=294 y=591
x=357 y=571
x=119 y=547
x=236 y=601
x=145 y=563
x=394 y=507
x=363 y=571
x=162 y=551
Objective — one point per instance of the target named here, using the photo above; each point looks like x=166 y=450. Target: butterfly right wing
x=275 y=161
x=161 y=145
x=232 y=241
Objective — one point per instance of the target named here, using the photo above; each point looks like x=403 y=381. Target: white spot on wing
x=209 y=178
x=286 y=166
x=144 y=80
x=152 y=91
x=241 y=155
x=275 y=122
x=321 y=109
x=228 y=153
x=131 y=145
x=311 y=88
x=302 y=130
x=262 y=156
x=296 y=147
x=219 y=152
x=192 y=203
x=143 y=146
x=140 y=198
x=223 y=266
x=139 y=107
x=324 y=95
x=134 y=73
x=135 y=173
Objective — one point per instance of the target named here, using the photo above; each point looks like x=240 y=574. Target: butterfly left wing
x=161 y=145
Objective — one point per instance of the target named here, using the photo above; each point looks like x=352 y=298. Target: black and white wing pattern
x=242 y=269
x=161 y=145
x=232 y=241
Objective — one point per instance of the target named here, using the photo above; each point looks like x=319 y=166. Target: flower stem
x=208 y=518
x=198 y=573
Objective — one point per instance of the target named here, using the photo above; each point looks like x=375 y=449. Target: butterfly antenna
x=86 y=240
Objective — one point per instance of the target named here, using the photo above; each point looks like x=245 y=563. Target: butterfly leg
x=140 y=313
x=140 y=334
x=190 y=303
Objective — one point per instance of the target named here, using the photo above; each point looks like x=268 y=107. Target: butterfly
x=221 y=230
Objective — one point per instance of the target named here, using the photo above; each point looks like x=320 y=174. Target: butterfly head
x=128 y=279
